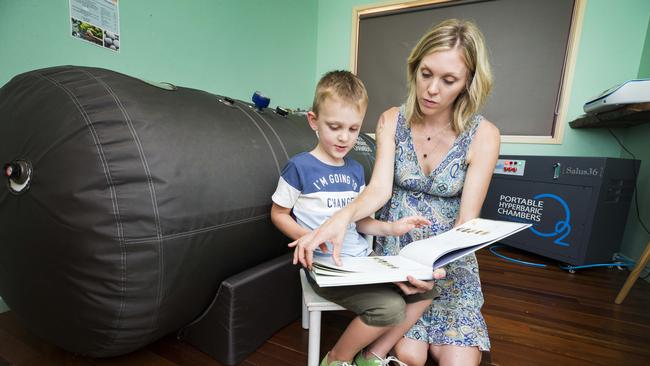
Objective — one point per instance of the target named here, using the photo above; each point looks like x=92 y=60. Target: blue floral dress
x=455 y=317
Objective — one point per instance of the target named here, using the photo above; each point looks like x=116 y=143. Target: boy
x=316 y=184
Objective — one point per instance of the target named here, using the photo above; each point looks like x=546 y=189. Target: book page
x=471 y=235
x=367 y=270
x=372 y=264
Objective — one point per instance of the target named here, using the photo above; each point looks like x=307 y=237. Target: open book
x=417 y=259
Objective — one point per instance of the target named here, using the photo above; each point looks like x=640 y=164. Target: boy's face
x=338 y=125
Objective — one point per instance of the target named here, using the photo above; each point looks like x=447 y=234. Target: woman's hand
x=332 y=230
x=415 y=286
x=406 y=224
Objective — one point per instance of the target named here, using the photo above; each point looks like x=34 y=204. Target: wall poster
x=97 y=22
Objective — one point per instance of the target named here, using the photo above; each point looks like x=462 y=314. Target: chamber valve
x=18 y=174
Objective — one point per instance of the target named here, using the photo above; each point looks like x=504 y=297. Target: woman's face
x=440 y=78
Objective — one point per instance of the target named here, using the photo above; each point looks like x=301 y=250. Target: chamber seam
x=275 y=158
x=199 y=231
x=109 y=181
x=152 y=192
x=274 y=133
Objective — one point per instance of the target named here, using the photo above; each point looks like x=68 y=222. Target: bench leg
x=632 y=277
x=313 y=353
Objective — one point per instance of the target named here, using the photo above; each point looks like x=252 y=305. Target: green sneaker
x=361 y=360
x=334 y=363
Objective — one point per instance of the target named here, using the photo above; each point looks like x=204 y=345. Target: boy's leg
x=379 y=307
x=385 y=343
x=356 y=336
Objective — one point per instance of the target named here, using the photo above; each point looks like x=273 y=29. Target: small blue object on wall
x=260 y=100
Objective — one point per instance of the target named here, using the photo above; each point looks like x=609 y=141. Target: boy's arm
x=374 y=227
x=396 y=228
x=282 y=219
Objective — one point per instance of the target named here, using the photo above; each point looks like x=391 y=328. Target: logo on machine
x=583 y=171
x=532 y=210
x=562 y=227
x=522 y=208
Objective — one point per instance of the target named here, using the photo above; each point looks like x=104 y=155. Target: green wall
x=611 y=50
x=231 y=47
x=636 y=140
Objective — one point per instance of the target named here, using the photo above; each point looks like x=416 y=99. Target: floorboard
x=535 y=316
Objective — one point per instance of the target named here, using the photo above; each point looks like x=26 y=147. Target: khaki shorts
x=377 y=305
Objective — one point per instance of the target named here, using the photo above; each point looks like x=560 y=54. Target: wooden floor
x=536 y=316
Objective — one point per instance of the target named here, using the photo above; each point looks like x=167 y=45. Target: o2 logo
x=562 y=227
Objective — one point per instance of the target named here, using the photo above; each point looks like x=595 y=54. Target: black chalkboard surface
x=528 y=41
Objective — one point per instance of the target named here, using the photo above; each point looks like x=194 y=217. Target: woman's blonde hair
x=468 y=39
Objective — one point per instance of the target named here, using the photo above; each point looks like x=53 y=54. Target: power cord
x=636 y=188
x=620 y=264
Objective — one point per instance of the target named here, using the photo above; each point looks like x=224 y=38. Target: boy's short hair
x=343 y=85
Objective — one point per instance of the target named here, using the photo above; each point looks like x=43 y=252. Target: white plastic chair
x=312 y=306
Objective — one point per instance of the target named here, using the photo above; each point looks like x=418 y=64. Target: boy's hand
x=414 y=286
x=406 y=224
x=332 y=230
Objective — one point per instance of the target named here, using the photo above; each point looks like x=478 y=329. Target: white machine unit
x=629 y=92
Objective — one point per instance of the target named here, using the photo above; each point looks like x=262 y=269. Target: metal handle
x=557 y=169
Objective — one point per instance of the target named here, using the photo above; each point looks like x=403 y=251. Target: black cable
x=636 y=188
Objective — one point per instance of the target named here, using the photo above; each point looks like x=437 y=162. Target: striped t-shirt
x=315 y=191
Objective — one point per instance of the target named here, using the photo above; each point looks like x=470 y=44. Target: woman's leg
x=385 y=343
x=411 y=351
x=449 y=355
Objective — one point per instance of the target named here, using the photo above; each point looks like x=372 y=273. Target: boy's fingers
x=336 y=252
x=323 y=247
x=301 y=255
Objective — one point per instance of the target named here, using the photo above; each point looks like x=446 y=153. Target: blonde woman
x=435 y=157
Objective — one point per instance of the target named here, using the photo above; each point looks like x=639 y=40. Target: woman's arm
x=482 y=158
x=376 y=194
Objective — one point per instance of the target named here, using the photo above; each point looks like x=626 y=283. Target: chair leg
x=313 y=353
x=631 y=278
x=305 y=315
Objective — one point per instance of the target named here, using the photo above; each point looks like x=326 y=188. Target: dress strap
x=476 y=121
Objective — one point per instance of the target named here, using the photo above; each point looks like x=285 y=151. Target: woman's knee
x=411 y=352
x=449 y=355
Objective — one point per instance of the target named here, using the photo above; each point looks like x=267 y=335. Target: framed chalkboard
x=532 y=47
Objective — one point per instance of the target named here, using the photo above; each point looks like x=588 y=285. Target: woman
x=435 y=157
